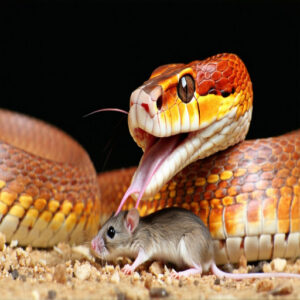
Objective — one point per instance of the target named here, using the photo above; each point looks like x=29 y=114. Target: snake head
x=187 y=112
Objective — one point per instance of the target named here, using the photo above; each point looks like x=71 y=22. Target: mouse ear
x=132 y=220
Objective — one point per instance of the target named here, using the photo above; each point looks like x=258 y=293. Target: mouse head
x=115 y=236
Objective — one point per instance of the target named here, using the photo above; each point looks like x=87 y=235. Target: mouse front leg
x=141 y=258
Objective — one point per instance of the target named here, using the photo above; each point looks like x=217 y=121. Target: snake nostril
x=159 y=103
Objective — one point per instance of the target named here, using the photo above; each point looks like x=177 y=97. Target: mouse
x=173 y=235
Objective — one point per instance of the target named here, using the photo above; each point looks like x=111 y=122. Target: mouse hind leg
x=187 y=260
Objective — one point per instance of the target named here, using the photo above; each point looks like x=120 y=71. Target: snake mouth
x=159 y=154
x=164 y=157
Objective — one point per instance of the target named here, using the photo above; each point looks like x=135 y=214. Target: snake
x=191 y=121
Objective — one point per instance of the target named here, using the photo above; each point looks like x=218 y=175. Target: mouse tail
x=239 y=276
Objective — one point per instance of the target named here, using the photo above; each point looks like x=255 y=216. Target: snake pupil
x=111 y=232
x=186 y=88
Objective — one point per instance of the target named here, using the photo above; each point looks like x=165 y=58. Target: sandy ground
x=70 y=273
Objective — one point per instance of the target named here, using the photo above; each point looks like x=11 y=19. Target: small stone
x=278 y=264
x=258 y=268
x=264 y=286
x=180 y=282
x=136 y=276
x=158 y=292
x=83 y=271
x=23 y=277
x=282 y=290
x=14 y=274
x=60 y=273
x=14 y=243
x=115 y=278
x=2 y=241
x=58 y=250
x=51 y=294
x=43 y=262
x=196 y=282
x=148 y=281
x=228 y=268
x=109 y=268
x=35 y=295
x=121 y=296
x=83 y=251
x=156 y=268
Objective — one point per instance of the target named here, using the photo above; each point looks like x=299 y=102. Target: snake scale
x=191 y=121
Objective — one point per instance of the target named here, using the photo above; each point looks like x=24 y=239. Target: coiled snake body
x=248 y=195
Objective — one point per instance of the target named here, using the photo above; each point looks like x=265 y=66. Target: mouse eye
x=111 y=232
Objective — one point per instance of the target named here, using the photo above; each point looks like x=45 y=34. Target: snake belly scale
x=248 y=195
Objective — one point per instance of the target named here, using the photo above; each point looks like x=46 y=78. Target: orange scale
x=203 y=214
x=277 y=182
x=220 y=193
x=253 y=211
x=267 y=175
x=291 y=181
x=223 y=184
x=290 y=164
x=262 y=184
x=233 y=190
x=234 y=219
x=295 y=215
x=283 y=214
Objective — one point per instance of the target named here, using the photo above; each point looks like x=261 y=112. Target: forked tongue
x=153 y=157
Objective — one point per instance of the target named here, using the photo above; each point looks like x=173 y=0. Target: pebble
x=258 y=268
x=121 y=296
x=109 y=268
x=15 y=274
x=115 y=278
x=35 y=295
x=156 y=268
x=158 y=292
x=148 y=281
x=14 y=243
x=51 y=294
x=84 y=251
x=264 y=286
x=136 y=276
x=282 y=290
x=60 y=273
x=83 y=271
x=278 y=264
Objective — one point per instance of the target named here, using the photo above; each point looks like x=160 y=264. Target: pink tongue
x=150 y=162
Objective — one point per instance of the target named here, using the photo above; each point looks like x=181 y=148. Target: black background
x=61 y=60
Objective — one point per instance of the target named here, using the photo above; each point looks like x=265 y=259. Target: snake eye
x=186 y=88
x=111 y=232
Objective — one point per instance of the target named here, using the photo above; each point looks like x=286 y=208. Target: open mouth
x=157 y=152
x=166 y=156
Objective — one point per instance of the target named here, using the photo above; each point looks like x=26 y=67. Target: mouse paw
x=128 y=269
x=186 y=273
